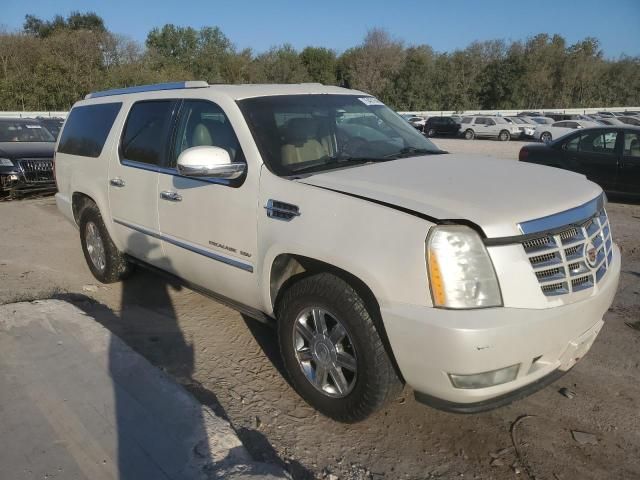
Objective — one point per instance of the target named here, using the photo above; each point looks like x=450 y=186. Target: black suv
x=26 y=157
x=441 y=126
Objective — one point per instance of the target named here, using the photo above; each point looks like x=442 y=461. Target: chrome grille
x=560 y=260
x=37 y=170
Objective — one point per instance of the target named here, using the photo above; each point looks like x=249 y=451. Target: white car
x=546 y=133
x=527 y=127
x=379 y=259
x=489 y=127
x=417 y=122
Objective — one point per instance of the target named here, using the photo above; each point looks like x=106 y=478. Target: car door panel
x=629 y=172
x=133 y=179
x=208 y=226
x=598 y=164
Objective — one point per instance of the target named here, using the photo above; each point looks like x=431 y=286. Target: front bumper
x=429 y=344
x=15 y=180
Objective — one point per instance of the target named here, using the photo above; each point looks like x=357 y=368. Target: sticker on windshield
x=33 y=126
x=370 y=101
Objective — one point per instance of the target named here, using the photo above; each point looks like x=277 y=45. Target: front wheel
x=431 y=132
x=545 y=137
x=332 y=351
x=504 y=136
x=469 y=134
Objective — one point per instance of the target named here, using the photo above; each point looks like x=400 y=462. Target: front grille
x=37 y=170
x=572 y=259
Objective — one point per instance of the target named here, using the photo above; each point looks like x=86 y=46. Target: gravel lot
x=231 y=364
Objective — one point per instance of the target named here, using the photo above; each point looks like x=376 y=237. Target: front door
x=209 y=226
x=595 y=155
x=133 y=178
x=629 y=177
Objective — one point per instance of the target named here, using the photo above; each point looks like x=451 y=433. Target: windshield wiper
x=338 y=162
x=412 y=152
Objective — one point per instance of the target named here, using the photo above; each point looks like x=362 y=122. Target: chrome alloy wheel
x=95 y=246
x=325 y=352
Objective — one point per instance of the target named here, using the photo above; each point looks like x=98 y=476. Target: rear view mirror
x=209 y=162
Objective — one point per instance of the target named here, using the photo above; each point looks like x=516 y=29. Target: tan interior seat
x=301 y=143
x=201 y=136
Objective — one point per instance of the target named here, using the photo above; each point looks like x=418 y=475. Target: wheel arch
x=79 y=201
x=288 y=268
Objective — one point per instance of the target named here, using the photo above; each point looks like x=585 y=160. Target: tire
x=107 y=263
x=431 y=132
x=504 y=136
x=469 y=134
x=371 y=382
x=545 y=137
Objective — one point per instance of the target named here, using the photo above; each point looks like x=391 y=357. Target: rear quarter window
x=87 y=129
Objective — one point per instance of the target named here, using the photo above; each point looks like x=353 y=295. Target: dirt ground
x=231 y=364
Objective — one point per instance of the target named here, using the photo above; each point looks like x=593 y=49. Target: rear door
x=595 y=154
x=629 y=177
x=133 y=178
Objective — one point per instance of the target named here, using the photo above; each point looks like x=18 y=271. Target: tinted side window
x=87 y=129
x=204 y=123
x=466 y=120
x=480 y=121
x=599 y=142
x=489 y=121
x=572 y=144
x=145 y=135
x=632 y=144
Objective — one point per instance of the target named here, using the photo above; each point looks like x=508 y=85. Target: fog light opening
x=485 y=379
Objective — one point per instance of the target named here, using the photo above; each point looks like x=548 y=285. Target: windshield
x=17 y=131
x=313 y=133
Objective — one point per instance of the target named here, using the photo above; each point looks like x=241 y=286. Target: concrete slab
x=77 y=403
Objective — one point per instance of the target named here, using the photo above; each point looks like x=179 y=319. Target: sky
x=446 y=25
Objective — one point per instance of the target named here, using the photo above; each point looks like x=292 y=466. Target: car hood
x=495 y=194
x=14 y=150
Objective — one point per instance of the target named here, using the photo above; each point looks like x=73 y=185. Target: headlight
x=461 y=274
x=5 y=162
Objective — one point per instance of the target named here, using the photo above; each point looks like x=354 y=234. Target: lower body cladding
x=469 y=361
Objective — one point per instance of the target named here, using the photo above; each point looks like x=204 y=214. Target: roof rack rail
x=149 y=88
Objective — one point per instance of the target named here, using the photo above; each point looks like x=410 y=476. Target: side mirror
x=209 y=162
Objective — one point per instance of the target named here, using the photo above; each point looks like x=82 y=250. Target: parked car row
x=534 y=125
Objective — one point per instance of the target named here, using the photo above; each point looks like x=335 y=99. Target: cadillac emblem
x=590 y=254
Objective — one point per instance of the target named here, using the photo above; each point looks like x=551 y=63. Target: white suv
x=381 y=259
x=489 y=127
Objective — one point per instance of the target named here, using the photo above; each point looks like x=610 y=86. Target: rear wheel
x=545 y=137
x=431 y=132
x=504 y=136
x=332 y=351
x=469 y=134
x=106 y=262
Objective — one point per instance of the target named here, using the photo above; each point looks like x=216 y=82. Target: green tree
x=321 y=64
x=279 y=65
x=75 y=21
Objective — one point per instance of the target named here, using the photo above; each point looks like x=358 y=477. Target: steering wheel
x=351 y=146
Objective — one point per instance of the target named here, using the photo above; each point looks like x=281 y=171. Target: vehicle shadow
x=147 y=322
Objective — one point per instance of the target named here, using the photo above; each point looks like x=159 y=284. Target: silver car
x=489 y=127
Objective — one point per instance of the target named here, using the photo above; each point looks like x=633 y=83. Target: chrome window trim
x=563 y=219
x=171 y=171
x=178 y=243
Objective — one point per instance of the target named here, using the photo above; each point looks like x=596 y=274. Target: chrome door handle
x=117 y=182
x=170 y=196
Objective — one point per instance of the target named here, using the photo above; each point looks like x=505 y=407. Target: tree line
x=50 y=64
